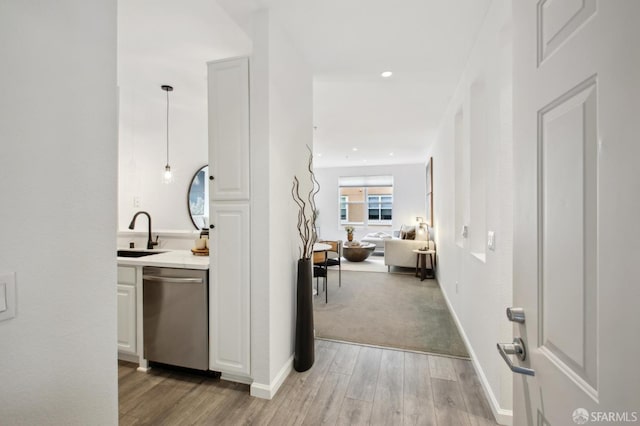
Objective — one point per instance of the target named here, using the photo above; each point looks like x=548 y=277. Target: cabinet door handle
x=212 y=226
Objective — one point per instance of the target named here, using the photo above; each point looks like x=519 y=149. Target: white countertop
x=168 y=259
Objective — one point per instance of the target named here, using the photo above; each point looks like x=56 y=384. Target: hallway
x=348 y=385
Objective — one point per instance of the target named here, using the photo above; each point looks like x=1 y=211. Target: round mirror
x=197 y=199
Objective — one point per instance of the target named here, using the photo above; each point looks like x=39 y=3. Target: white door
x=230 y=290
x=577 y=208
x=228 y=108
x=126 y=318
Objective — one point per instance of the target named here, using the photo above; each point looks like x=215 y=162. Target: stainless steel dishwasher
x=176 y=316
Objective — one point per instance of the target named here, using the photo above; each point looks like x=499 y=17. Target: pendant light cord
x=167 y=127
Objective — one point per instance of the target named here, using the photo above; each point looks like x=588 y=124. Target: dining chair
x=320 y=271
x=334 y=257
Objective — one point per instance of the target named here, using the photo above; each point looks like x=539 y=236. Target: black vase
x=305 y=350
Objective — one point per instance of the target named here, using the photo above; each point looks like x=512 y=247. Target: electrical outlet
x=456 y=286
x=465 y=231
x=136 y=201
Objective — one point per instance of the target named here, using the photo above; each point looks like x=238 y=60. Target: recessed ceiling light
x=386 y=74
x=319 y=155
x=354 y=149
x=391 y=154
x=364 y=161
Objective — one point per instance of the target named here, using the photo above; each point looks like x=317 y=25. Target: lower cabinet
x=127 y=324
x=229 y=290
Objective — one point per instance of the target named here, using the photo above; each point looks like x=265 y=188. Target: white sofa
x=399 y=252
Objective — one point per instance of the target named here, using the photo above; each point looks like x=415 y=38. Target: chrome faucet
x=150 y=242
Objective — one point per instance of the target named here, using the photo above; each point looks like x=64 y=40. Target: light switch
x=7 y=295
x=491 y=240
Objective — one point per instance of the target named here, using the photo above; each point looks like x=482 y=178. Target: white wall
x=166 y=42
x=260 y=231
x=480 y=288
x=58 y=183
x=291 y=123
x=281 y=128
x=409 y=197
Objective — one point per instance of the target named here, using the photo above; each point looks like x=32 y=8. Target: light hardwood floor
x=348 y=385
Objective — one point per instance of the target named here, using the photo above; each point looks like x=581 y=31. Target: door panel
x=228 y=108
x=229 y=289
x=558 y=20
x=568 y=238
x=127 y=318
x=577 y=197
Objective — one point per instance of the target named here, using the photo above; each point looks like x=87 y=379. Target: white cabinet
x=127 y=318
x=127 y=335
x=229 y=129
x=229 y=274
x=229 y=297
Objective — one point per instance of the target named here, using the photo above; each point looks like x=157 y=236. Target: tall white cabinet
x=229 y=273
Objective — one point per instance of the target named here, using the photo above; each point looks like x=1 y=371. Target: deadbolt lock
x=515 y=315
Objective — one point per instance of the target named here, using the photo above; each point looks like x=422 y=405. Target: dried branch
x=306 y=225
x=315 y=188
x=295 y=193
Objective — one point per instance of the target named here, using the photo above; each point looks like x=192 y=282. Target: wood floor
x=348 y=385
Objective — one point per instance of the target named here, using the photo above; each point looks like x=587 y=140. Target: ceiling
x=361 y=118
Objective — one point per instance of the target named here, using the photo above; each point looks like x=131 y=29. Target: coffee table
x=358 y=253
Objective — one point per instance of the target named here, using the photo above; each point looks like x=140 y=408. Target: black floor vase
x=305 y=351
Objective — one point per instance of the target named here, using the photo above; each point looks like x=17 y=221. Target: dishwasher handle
x=178 y=280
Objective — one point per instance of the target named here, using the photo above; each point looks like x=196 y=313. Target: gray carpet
x=391 y=310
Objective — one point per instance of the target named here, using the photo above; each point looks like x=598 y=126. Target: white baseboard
x=503 y=416
x=268 y=391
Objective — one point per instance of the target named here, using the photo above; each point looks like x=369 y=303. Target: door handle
x=178 y=280
x=516 y=348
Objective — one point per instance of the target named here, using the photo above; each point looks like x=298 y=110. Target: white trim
x=128 y=357
x=355 y=181
x=503 y=416
x=482 y=257
x=260 y=390
x=236 y=378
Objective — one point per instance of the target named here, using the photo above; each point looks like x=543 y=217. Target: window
x=366 y=200
x=380 y=208
x=344 y=212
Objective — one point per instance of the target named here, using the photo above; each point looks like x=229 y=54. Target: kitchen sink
x=136 y=253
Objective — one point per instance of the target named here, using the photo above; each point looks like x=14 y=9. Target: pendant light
x=167 y=176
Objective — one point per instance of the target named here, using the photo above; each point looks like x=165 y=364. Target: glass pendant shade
x=167 y=175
